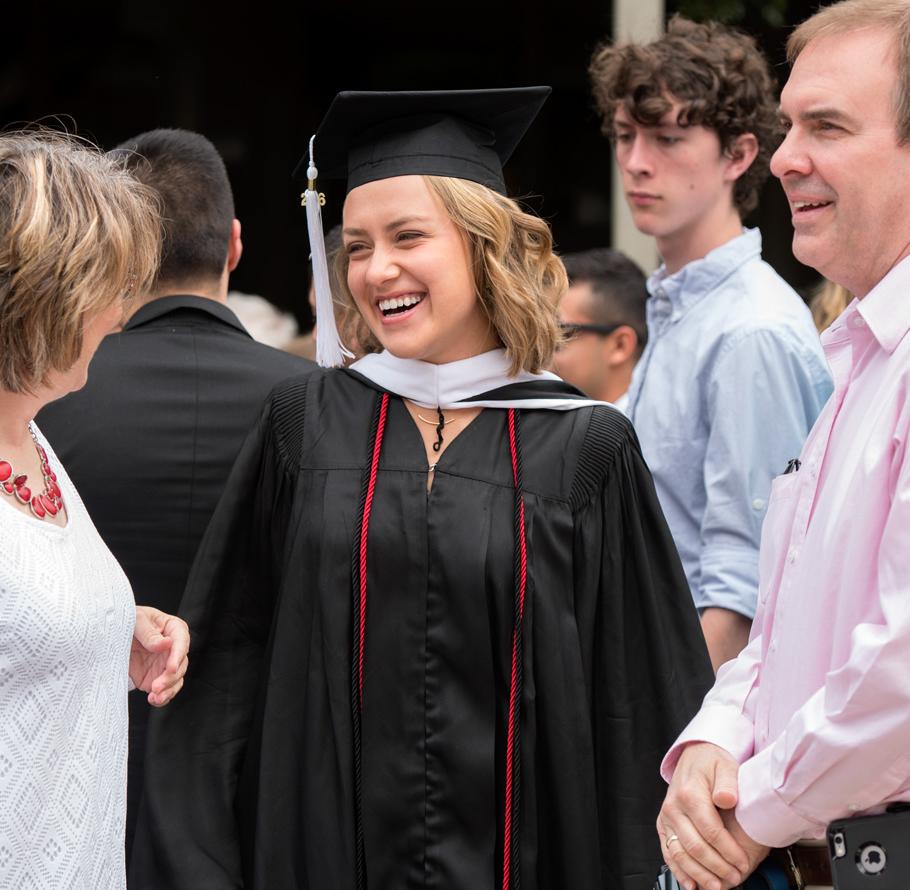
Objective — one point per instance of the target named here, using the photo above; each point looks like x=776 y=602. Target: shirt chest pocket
x=776 y=531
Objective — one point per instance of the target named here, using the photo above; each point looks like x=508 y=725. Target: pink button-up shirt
x=817 y=707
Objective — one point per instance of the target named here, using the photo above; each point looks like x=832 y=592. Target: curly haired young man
x=733 y=375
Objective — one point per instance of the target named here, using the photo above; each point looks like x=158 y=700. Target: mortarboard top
x=467 y=134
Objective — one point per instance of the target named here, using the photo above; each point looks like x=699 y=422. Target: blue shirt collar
x=697 y=279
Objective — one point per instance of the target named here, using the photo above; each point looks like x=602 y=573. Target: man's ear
x=740 y=154
x=620 y=346
x=235 y=246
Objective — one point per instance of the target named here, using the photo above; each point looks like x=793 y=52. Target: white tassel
x=330 y=351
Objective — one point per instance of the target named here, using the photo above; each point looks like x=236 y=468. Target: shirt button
x=858 y=321
x=758 y=504
x=853 y=808
x=791 y=556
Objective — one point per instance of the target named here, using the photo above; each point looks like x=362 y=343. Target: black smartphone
x=871 y=852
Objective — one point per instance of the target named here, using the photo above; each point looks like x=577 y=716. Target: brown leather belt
x=803 y=865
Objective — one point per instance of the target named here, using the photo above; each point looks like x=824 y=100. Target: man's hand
x=754 y=850
x=697 y=846
x=158 y=658
x=726 y=634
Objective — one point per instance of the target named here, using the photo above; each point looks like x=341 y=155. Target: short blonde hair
x=518 y=279
x=77 y=233
x=847 y=16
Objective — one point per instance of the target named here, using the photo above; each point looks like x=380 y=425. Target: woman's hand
x=158 y=657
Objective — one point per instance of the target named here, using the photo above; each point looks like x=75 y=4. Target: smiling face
x=409 y=271
x=846 y=177
x=678 y=184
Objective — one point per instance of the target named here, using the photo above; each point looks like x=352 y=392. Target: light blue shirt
x=726 y=391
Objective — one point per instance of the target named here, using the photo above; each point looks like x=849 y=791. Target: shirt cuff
x=729 y=580
x=721 y=725
x=761 y=811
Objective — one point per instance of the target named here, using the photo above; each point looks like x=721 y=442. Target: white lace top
x=66 y=623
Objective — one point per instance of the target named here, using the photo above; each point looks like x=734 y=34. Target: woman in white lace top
x=76 y=233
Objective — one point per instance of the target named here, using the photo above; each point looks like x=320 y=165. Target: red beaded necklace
x=50 y=501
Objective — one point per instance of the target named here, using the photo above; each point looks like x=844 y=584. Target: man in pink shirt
x=812 y=721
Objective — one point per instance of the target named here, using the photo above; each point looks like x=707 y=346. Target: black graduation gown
x=250 y=769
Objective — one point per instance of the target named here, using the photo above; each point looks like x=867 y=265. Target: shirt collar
x=692 y=283
x=886 y=308
x=161 y=306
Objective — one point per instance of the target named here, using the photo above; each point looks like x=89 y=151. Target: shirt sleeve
x=762 y=400
x=848 y=747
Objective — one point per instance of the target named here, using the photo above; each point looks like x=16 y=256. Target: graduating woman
x=442 y=634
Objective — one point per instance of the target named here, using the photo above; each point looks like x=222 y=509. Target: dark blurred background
x=256 y=80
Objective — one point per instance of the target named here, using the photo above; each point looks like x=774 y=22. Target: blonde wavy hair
x=77 y=233
x=518 y=279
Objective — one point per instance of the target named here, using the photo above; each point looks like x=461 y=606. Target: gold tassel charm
x=303 y=199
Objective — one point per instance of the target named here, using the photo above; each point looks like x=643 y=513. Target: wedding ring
x=670 y=840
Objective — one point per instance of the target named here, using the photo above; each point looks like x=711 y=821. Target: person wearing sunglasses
x=602 y=317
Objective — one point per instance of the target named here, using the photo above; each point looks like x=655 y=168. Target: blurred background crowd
x=255 y=79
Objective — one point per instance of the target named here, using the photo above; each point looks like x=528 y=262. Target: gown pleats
x=250 y=770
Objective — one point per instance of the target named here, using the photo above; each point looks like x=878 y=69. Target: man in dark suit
x=150 y=440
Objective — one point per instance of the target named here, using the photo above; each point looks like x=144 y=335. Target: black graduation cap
x=467 y=134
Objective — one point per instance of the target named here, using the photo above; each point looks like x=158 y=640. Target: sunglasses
x=570 y=331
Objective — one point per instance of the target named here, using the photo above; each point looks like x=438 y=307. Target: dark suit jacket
x=151 y=438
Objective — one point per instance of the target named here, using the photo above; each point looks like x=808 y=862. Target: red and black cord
x=358 y=623
x=511 y=862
